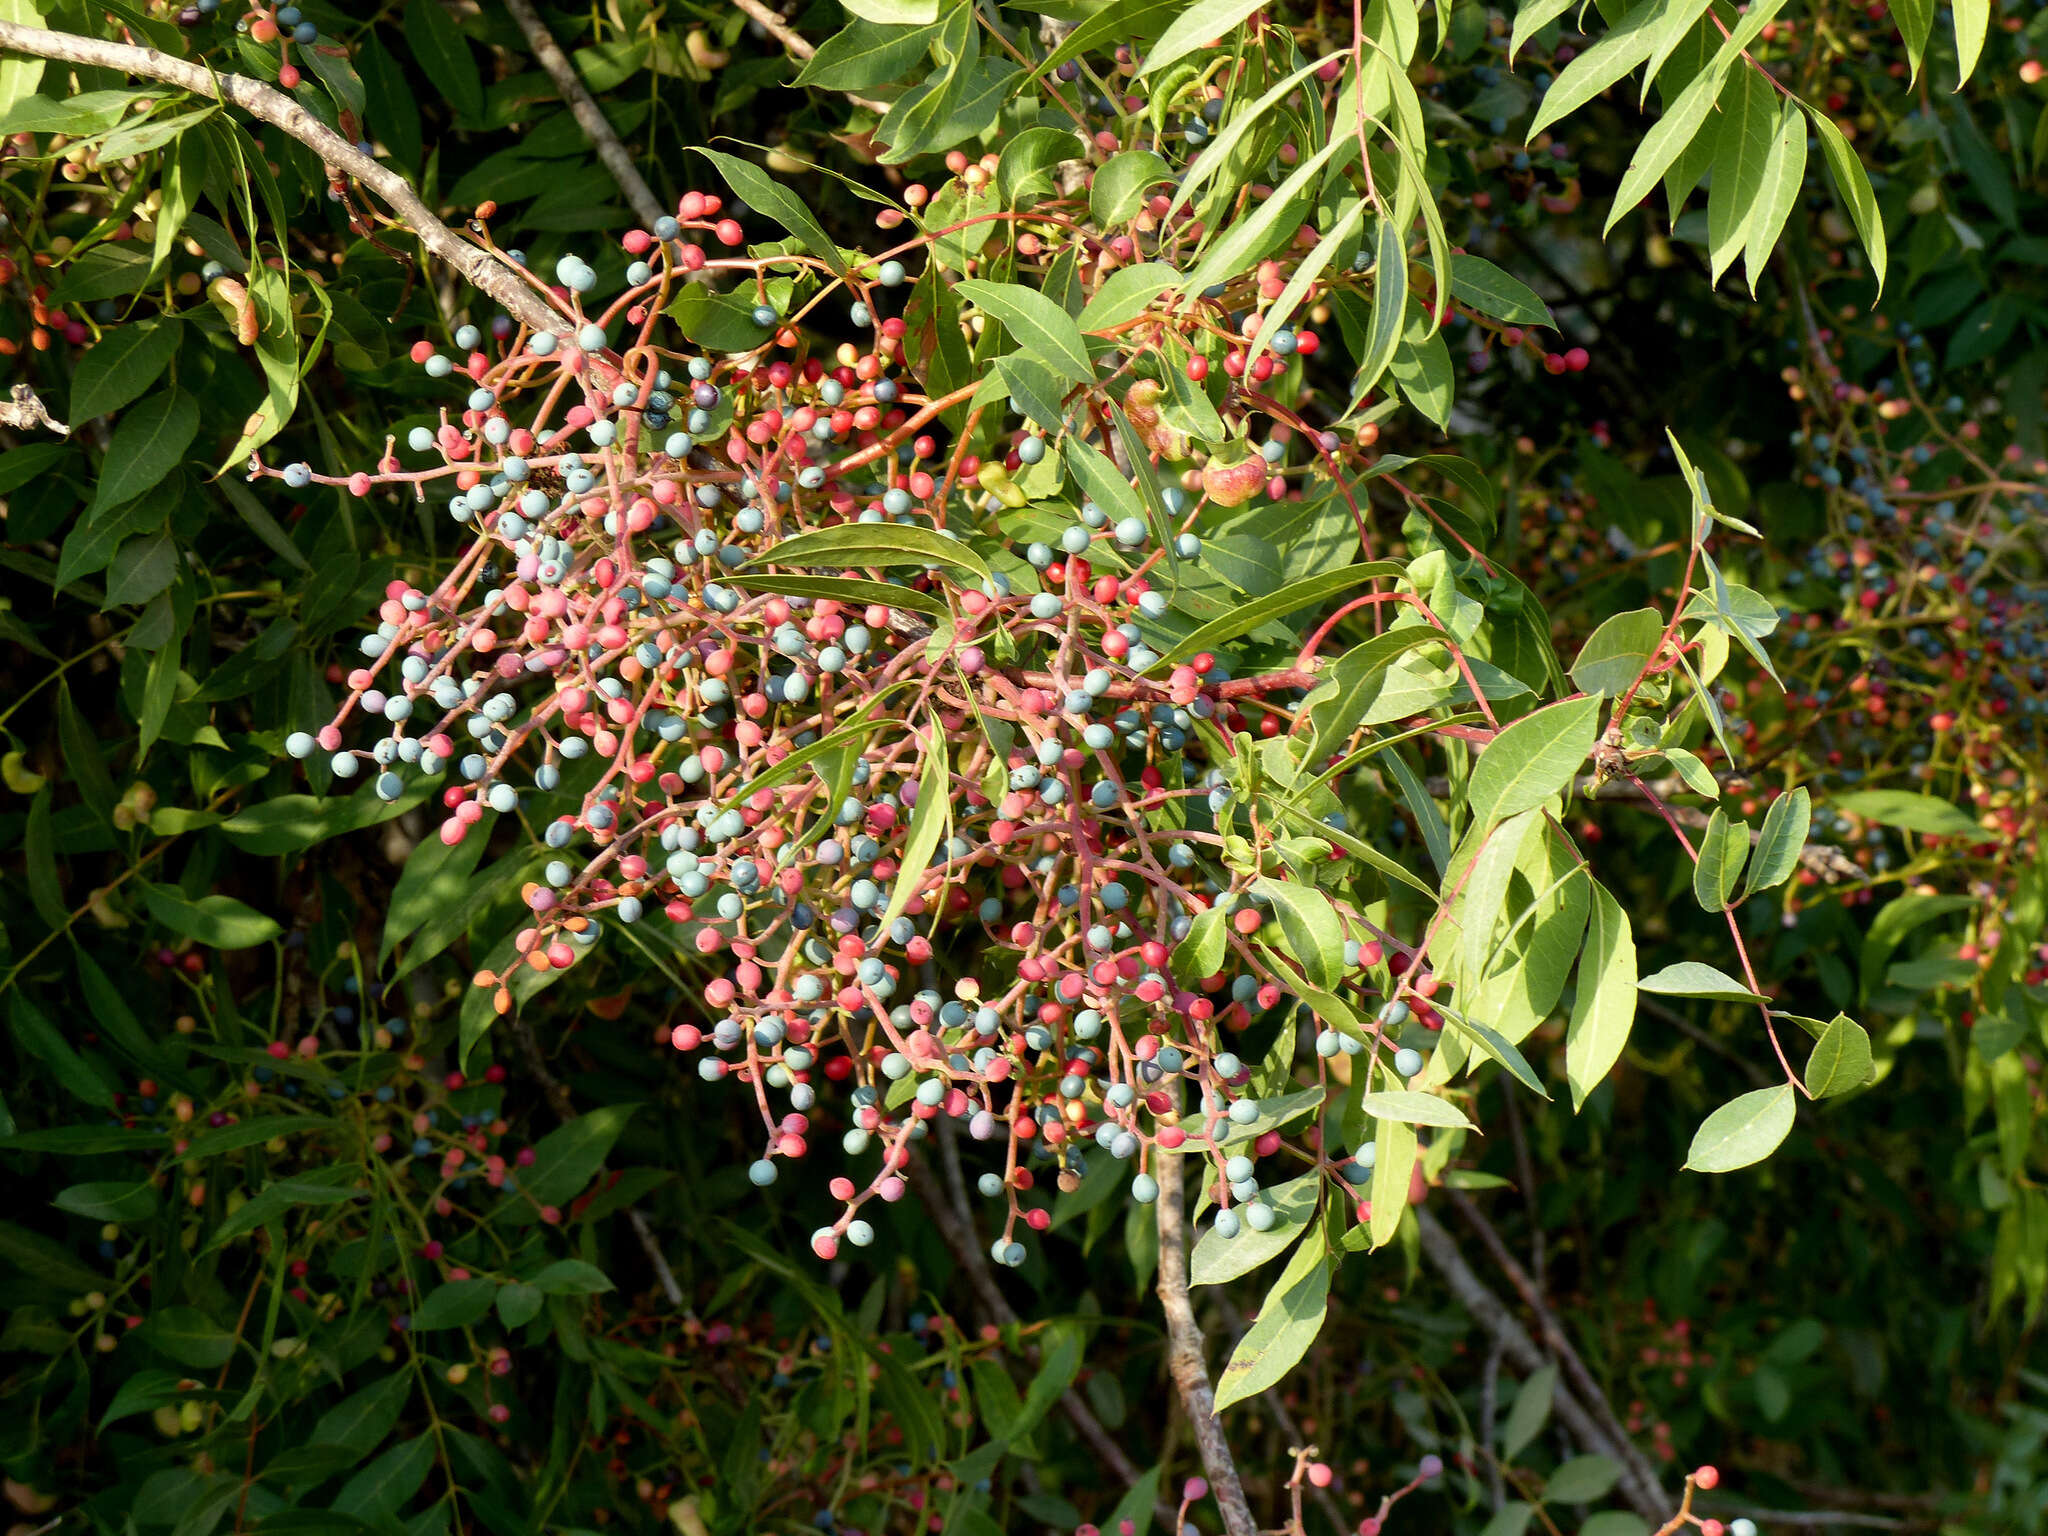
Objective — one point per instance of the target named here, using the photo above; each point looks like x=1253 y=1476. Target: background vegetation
x=311 y=1232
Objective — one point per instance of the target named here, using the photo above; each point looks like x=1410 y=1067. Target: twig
x=1693 y=1032
x=798 y=45
x=484 y=271
x=1184 y=1354
x=1554 y=1336
x=1492 y=1314
x=589 y=115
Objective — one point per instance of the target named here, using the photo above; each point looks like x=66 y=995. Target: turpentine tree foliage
x=978 y=648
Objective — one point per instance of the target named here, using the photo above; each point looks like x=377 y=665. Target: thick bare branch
x=486 y=272
x=588 y=114
x=1492 y=1314
x=1184 y=1354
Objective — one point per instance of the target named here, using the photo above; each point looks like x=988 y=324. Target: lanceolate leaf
x=1389 y=307
x=1669 y=136
x=1744 y=135
x=1604 y=1009
x=1973 y=19
x=931 y=823
x=1477 y=282
x=1915 y=21
x=1295 y=595
x=1249 y=239
x=770 y=197
x=1044 y=330
x=1852 y=185
x=1289 y=1319
x=1784 y=173
x=1620 y=51
x=873 y=544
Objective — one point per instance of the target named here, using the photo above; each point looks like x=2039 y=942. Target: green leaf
x=1195 y=28
x=1910 y=813
x=1486 y=887
x=1272 y=1114
x=718 y=322
x=1743 y=1131
x=1044 y=330
x=1482 y=286
x=1616 y=653
x=1743 y=142
x=1413 y=1108
x=1289 y=1319
x=894 y=12
x=1783 y=839
x=1247 y=617
x=118 y=1200
x=519 y=1304
x=1533 y=759
x=291 y=823
x=1217 y=156
x=931 y=823
x=1607 y=61
x=1604 y=1009
x=360 y=1421
x=278 y=1197
x=572 y=1277
x=1121 y=183
x=1529 y=1413
x=1421 y=365
x=1915 y=21
x=766 y=195
x=1784 y=175
x=846 y=589
x=1393 y=1168
x=1722 y=849
x=78 y=115
x=1029 y=160
x=1841 y=1060
x=1337 y=703
x=440 y=49
x=1973 y=20
x=1309 y=923
x=456 y=1304
x=873 y=545
x=127 y=360
x=1126 y=293
x=1201 y=953
x=190 y=1337
x=866 y=54
x=1670 y=135
x=565 y=1160
x=1852 y=185
x=381 y=1489
x=148 y=443
x=219 y=922
x=1581 y=1480
x=35 y=1034
x=49 y=1262
x=1693 y=978
x=435 y=878
x=1218 y=1258
x=251 y=1133
x=143 y=1392
x=1247 y=240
